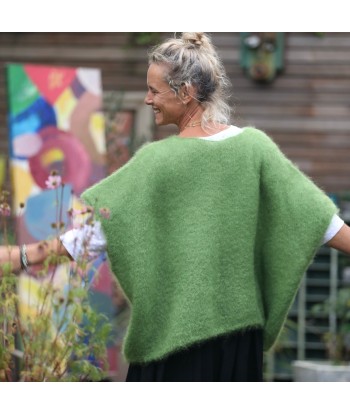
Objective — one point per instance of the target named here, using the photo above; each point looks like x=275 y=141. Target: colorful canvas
x=56 y=123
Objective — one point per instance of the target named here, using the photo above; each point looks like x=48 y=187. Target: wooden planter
x=308 y=371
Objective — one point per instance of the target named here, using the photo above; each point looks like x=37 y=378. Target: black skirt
x=231 y=358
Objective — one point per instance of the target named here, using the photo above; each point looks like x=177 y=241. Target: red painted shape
x=50 y=81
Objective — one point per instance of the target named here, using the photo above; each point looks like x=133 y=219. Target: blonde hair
x=193 y=61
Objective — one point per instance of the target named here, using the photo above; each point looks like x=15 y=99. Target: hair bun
x=195 y=38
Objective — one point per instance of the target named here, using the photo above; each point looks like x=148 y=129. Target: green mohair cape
x=208 y=237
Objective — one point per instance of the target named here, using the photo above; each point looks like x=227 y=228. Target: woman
x=210 y=230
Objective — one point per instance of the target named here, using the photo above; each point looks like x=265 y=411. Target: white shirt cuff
x=333 y=228
x=88 y=241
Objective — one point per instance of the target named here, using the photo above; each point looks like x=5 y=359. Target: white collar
x=222 y=135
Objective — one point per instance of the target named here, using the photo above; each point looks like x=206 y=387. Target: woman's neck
x=190 y=124
x=191 y=118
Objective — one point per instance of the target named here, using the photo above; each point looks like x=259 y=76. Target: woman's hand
x=36 y=253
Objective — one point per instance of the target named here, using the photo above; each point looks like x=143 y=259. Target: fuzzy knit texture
x=207 y=238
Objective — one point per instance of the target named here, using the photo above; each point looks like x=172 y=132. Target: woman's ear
x=186 y=93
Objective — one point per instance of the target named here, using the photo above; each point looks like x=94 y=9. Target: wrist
x=10 y=259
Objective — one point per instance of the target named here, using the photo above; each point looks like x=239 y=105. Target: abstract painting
x=56 y=123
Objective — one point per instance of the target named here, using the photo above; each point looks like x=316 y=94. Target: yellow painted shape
x=64 y=107
x=22 y=183
x=97 y=130
x=31 y=291
x=51 y=156
x=2 y=170
x=77 y=206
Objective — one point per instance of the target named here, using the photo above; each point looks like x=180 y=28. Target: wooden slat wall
x=306 y=109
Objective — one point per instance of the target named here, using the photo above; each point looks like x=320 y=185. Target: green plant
x=57 y=336
x=143 y=38
x=337 y=343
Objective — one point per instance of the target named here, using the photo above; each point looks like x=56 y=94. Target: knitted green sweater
x=207 y=238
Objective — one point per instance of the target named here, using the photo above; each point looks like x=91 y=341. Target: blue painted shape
x=39 y=115
x=42 y=210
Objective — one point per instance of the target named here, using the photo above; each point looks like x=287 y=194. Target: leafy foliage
x=61 y=337
x=338 y=344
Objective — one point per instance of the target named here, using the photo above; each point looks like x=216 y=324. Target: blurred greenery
x=338 y=343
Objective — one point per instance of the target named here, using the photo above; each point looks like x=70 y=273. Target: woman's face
x=166 y=105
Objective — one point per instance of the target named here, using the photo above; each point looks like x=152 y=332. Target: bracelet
x=23 y=258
